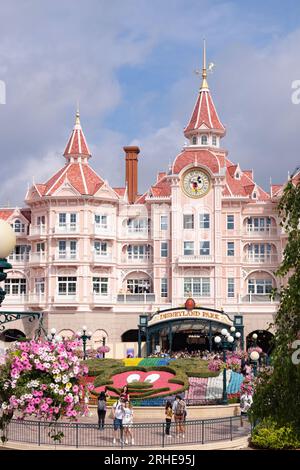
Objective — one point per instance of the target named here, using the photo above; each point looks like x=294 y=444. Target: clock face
x=195 y=183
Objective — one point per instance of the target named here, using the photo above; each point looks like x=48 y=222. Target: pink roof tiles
x=77 y=145
x=204 y=114
x=196 y=157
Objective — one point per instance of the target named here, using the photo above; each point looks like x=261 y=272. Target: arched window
x=214 y=140
x=204 y=140
x=194 y=140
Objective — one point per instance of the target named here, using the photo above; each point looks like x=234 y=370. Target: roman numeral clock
x=195 y=183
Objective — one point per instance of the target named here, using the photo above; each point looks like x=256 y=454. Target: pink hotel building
x=88 y=253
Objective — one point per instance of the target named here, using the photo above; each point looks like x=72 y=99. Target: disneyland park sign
x=193 y=314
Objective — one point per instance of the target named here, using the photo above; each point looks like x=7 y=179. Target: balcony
x=37 y=230
x=135 y=234
x=37 y=258
x=36 y=299
x=103 y=259
x=137 y=260
x=260 y=259
x=15 y=299
x=65 y=300
x=251 y=231
x=66 y=228
x=258 y=298
x=136 y=298
x=66 y=256
x=194 y=259
x=18 y=258
x=100 y=299
x=104 y=230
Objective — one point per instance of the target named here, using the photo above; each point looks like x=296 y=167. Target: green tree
x=277 y=395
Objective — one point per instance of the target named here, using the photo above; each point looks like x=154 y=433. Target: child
x=127 y=422
x=168 y=415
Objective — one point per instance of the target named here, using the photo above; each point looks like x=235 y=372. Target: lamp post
x=226 y=341
x=53 y=337
x=84 y=335
x=103 y=344
x=7 y=244
x=254 y=356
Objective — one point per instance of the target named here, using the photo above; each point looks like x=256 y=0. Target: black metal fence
x=142 y=434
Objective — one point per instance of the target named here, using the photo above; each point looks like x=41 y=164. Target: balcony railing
x=65 y=299
x=36 y=299
x=137 y=260
x=19 y=258
x=15 y=299
x=261 y=259
x=136 y=298
x=257 y=232
x=101 y=298
x=258 y=298
x=37 y=230
x=103 y=230
x=102 y=258
x=66 y=228
x=66 y=255
x=135 y=234
x=194 y=259
x=37 y=257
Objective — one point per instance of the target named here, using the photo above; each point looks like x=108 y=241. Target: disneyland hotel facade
x=88 y=253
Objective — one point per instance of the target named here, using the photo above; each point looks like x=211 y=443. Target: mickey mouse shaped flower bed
x=144 y=384
x=43 y=380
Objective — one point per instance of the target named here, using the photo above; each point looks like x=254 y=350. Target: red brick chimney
x=131 y=177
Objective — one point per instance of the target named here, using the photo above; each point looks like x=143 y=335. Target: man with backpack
x=179 y=411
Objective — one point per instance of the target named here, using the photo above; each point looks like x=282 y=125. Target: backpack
x=180 y=408
x=101 y=405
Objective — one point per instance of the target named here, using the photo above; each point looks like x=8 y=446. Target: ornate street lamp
x=7 y=244
x=254 y=356
x=226 y=342
x=84 y=335
x=53 y=337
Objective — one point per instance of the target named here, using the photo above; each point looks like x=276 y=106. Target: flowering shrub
x=215 y=365
x=42 y=379
x=103 y=349
x=248 y=385
x=255 y=348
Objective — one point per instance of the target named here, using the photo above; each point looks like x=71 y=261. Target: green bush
x=268 y=435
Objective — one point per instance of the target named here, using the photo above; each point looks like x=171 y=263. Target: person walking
x=168 y=415
x=128 y=422
x=179 y=408
x=118 y=416
x=246 y=401
x=101 y=410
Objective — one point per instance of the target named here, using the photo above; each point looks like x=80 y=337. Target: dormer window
x=254 y=195
x=204 y=140
x=214 y=140
x=237 y=175
x=18 y=227
x=194 y=140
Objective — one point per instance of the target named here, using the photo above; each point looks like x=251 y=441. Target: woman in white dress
x=127 y=423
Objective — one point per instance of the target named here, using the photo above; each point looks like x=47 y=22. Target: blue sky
x=130 y=64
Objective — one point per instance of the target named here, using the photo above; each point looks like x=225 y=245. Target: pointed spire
x=77 y=146
x=204 y=71
x=204 y=119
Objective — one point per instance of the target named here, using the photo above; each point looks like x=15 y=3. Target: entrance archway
x=264 y=340
x=8 y=336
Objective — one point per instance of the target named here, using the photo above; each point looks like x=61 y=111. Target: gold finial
x=204 y=72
